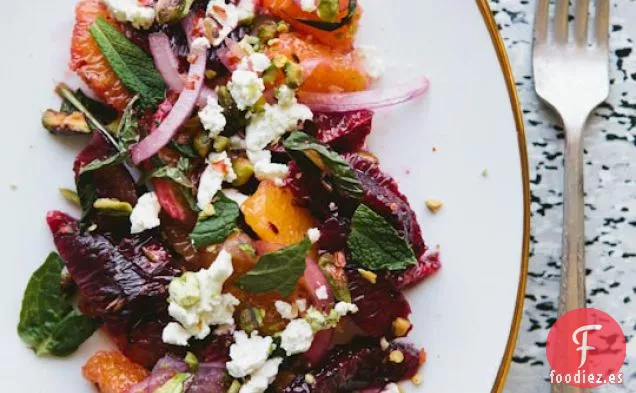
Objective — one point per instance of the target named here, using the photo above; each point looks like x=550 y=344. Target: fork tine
x=581 y=21
x=541 y=22
x=602 y=22
x=561 y=22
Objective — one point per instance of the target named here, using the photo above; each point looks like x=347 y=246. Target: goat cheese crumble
x=371 y=61
x=246 y=88
x=226 y=17
x=196 y=302
x=297 y=337
x=140 y=16
x=218 y=170
x=212 y=117
x=248 y=353
x=344 y=308
x=263 y=377
x=145 y=214
x=321 y=293
x=235 y=195
x=257 y=62
x=391 y=388
x=286 y=310
x=314 y=235
x=200 y=44
x=308 y=5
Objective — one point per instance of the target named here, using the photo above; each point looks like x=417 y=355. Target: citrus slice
x=113 y=372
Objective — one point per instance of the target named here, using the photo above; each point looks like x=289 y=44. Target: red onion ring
x=165 y=60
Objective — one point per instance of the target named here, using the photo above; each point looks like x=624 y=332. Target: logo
x=586 y=349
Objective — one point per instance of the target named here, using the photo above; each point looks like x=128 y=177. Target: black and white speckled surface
x=610 y=175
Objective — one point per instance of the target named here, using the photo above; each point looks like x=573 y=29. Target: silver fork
x=571 y=75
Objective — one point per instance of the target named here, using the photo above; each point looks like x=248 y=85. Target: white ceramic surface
x=462 y=316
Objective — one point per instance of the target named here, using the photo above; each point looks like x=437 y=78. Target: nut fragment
x=401 y=327
x=416 y=379
x=434 y=205
x=369 y=276
x=396 y=356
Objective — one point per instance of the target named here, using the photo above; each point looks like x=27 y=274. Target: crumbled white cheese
x=196 y=302
x=308 y=5
x=321 y=293
x=200 y=44
x=286 y=310
x=285 y=96
x=371 y=61
x=140 y=16
x=212 y=117
x=222 y=330
x=263 y=377
x=246 y=10
x=297 y=337
x=246 y=88
x=344 y=308
x=145 y=214
x=237 y=143
x=226 y=16
x=314 y=235
x=273 y=172
x=235 y=195
x=248 y=354
x=218 y=170
x=302 y=304
x=257 y=62
x=273 y=123
x=391 y=388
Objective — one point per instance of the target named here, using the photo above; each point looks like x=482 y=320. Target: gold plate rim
x=506 y=69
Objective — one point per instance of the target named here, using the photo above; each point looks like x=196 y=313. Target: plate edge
x=506 y=69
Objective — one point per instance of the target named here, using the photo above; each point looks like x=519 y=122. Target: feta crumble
x=248 y=354
x=226 y=17
x=371 y=61
x=308 y=5
x=285 y=96
x=270 y=171
x=257 y=62
x=212 y=117
x=218 y=170
x=302 y=304
x=237 y=143
x=321 y=293
x=391 y=388
x=273 y=123
x=344 y=308
x=297 y=337
x=196 y=302
x=141 y=17
x=145 y=214
x=286 y=310
x=246 y=88
x=235 y=195
x=314 y=235
x=263 y=377
x=200 y=44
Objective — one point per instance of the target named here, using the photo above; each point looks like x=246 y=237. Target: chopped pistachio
x=248 y=249
x=267 y=30
x=208 y=211
x=184 y=290
x=279 y=61
x=310 y=379
x=169 y=11
x=401 y=327
x=244 y=171
x=235 y=387
x=210 y=74
x=368 y=275
x=114 y=206
x=396 y=356
x=273 y=41
x=192 y=362
x=283 y=27
x=484 y=173
x=270 y=75
x=13 y=187
x=251 y=319
x=293 y=75
x=70 y=196
x=328 y=10
x=416 y=379
x=221 y=143
x=61 y=123
x=434 y=205
x=202 y=144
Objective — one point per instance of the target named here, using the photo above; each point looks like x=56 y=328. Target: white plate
x=463 y=316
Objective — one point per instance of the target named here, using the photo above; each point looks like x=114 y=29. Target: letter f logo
x=583 y=344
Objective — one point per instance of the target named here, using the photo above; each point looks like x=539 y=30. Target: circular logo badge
x=586 y=349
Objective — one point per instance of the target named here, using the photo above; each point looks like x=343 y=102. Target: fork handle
x=572 y=292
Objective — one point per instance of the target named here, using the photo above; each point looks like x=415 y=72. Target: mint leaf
x=215 y=229
x=48 y=322
x=132 y=65
x=186 y=149
x=375 y=244
x=174 y=384
x=277 y=271
x=86 y=188
x=173 y=173
x=306 y=150
x=101 y=111
x=128 y=130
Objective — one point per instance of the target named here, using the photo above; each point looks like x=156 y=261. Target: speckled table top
x=610 y=175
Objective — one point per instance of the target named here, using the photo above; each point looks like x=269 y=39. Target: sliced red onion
x=180 y=113
x=187 y=24
x=231 y=55
x=203 y=96
x=165 y=60
x=369 y=99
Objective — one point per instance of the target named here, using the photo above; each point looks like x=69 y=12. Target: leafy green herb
x=173 y=173
x=174 y=384
x=128 y=130
x=332 y=26
x=375 y=244
x=102 y=112
x=215 y=229
x=85 y=184
x=48 y=322
x=305 y=150
x=186 y=149
x=132 y=65
x=277 y=271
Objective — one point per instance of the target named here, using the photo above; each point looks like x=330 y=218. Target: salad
x=231 y=231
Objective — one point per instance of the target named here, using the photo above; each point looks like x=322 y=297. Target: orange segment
x=112 y=372
x=340 y=39
x=325 y=70
x=87 y=59
x=272 y=214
